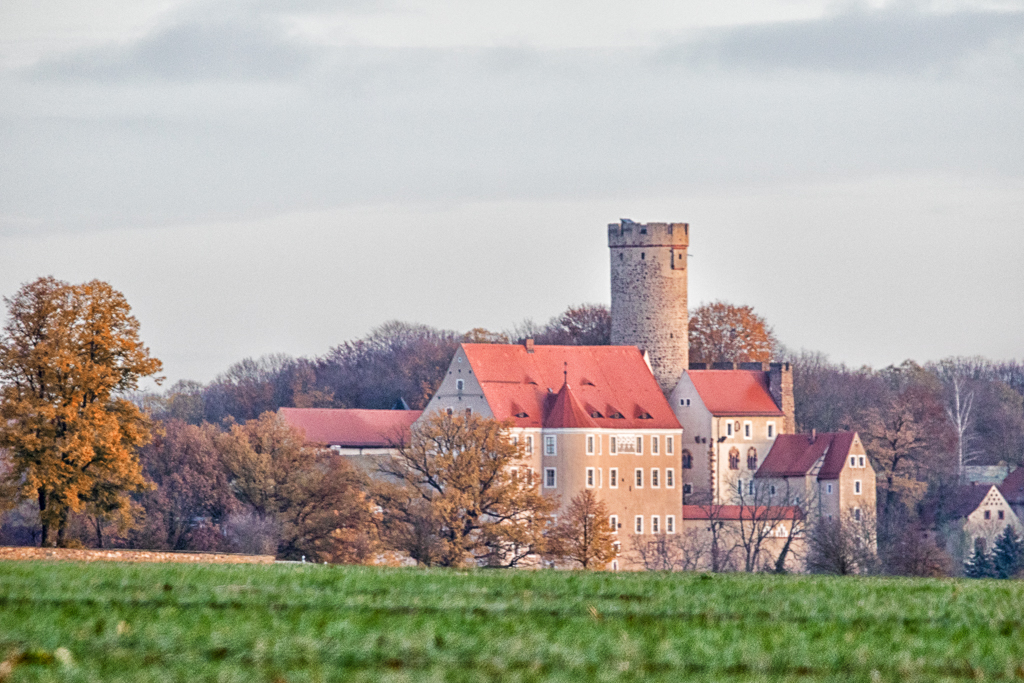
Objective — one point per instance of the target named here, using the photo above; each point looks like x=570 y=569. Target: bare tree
x=760 y=518
x=959 y=407
x=583 y=534
x=846 y=545
x=721 y=545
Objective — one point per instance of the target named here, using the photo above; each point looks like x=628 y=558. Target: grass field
x=148 y=622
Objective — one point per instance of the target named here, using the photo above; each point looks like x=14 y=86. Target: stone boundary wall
x=121 y=555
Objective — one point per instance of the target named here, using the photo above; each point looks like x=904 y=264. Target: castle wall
x=649 y=294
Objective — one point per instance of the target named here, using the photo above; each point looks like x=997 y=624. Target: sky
x=262 y=176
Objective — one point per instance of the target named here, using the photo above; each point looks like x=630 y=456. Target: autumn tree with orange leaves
x=723 y=332
x=68 y=356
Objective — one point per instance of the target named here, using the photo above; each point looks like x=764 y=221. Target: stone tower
x=649 y=306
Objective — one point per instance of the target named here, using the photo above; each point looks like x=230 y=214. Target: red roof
x=612 y=386
x=1012 y=487
x=793 y=455
x=734 y=392
x=352 y=428
x=733 y=512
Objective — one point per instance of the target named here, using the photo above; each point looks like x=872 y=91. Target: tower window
x=642 y=256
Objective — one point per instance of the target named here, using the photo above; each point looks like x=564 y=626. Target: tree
x=581 y=325
x=68 y=355
x=842 y=546
x=1007 y=554
x=980 y=565
x=458 y=494
x=762 y=516
x=723 y=332
x=583 y=534
x=720 y=545
x=193 y=496
x=316 y=497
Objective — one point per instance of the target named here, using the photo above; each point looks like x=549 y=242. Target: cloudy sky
x=267 y=176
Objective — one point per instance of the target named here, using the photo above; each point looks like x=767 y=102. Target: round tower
x=649 y=306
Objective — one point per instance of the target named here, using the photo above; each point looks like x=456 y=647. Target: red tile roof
x=567 y=413
x=352 y=428
x=793 y=455
x=734 y=392
x=733 y=512
x=604 y=381
x=1012 y=487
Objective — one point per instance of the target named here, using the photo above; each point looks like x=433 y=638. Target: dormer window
x=596 y=414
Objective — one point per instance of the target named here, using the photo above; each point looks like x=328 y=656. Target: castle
x=669 y=447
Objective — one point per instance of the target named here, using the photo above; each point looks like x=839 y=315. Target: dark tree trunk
x=45 y=536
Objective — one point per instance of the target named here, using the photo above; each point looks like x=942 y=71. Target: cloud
x=236 y=49
x=891 y=40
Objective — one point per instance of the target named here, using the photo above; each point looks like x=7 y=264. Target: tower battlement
x=649 y=298
x=629 y=234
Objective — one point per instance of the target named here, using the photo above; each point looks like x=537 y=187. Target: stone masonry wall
x=649 y=294
x=118 y=555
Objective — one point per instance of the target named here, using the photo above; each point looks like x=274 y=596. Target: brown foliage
x=454 y=496
x=583 y=534
x=316 y=497
x=68 y=353
x=723 y=332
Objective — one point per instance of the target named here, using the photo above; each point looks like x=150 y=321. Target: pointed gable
x=605 y=384
x=734 y=392
x=793 y=455
x=567 y=413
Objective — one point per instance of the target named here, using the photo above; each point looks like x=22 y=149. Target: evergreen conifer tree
x=1008 y=554
x=980 y=564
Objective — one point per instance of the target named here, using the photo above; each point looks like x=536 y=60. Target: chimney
x=780 y=386
x=814 y=435
x=529 y=346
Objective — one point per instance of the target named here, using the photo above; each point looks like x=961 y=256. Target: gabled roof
x=793 y=455
x=747 y=512
x=611 y=385
x=967 y=499
x=353 y=428
x=734 y=392
x=1012 y=487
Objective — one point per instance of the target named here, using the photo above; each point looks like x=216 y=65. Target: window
x=655 y=445
x=752 y=459
x=655 y=478
x=655 y=524
x=613 y=523
x=590 y=444
x=670 y=445
x=828 y=488
x=684 y=402
x=728 y=428
x=613 y=445
x=529 y=444
x=670 y=524
x=590 y=478
x=687 y=489
x=988 y=514
x=1001 y=515
x=856 y=514
x=550 y=478
x=639 y=445
x=860 y=461
x=529 y=476
x=549 y=445
x=750 y=487
x=638 y=525
x=771 y=489
x=748 y=429
x=449 y=411
x=856 y=486
x=771 y=430
x=739 y=487
x=613 y=478
x=853 y=461
x=670 y=478
x=515 y=439
x=687 y=460
x=469 y=411
x=460 y=384
x=734 y=458
x=639 y=478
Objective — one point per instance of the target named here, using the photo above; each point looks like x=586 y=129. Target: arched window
x=752 y=459
x=734 y=458
x=687 y=460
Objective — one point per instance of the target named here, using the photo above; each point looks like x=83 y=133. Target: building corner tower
x=649 y=303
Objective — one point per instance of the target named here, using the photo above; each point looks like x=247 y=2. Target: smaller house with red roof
x=362 y=435
x=589 y=417
x=829 y=472
x=731 y=418
x=980 y=511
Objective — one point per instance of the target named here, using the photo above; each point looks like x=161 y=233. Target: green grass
x=147 y=622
